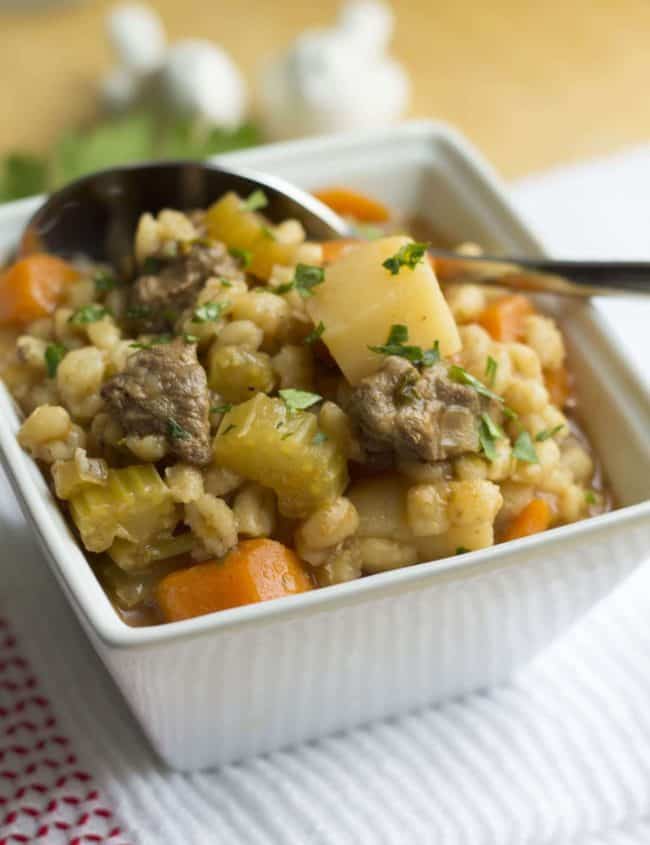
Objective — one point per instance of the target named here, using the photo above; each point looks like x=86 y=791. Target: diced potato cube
x=360 y=300
x=237 y=373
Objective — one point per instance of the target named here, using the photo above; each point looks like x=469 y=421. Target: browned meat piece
x=164 y=391
x=415 y=415
x=157 y=299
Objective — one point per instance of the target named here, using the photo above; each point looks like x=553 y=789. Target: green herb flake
x=138 y=312
x=176 y=431
x=88 y=314
x=319 y=437
x=546 y=434
x=54 y=354
x=315 y=334
x=524 y=450
x=299 y=400
x=225 y=283
x=243 y=255
x=151 y=265
x=591 y=497
x=491 y=368
x=488 y=433
x=461 y=550
x=209 y=312
x=405 y=392
x=409 y=255
x=306 y=277
x=255 y=201
x=158 y=340
x=396 y=344
x=461 y=376
x=221 y=409
x=105 y=282
x=509 y=414
x=268 y=233
x=190 y=338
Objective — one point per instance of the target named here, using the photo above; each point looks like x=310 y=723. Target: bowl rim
x=86 y=593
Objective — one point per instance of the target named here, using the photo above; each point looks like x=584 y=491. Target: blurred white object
x=199 y=78
x=137 y=36
x=193 y=77
x=335 y=79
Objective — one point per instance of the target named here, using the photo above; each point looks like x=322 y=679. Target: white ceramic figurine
x=337 y=78
x=192 y=77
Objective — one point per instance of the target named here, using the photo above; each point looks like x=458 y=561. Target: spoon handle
x=569 y=278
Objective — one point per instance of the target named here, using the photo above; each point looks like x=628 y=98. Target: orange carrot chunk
x=349 y=203
x=332 y=250
x=32 y=288
x=535 y=517
x=504 y=318
x=255 y=570
x=558 y=384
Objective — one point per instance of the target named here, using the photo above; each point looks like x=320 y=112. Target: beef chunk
x=415 y=415
x=157 y=299
x=164 y=391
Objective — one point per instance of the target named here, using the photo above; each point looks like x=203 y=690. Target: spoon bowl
x=97 y=215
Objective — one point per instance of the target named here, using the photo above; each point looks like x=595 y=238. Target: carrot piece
x=558 y=384
x=350 y=203
x=254 y=571
x=335 y=249
x=32 y=287
x=535 y=517
x=504 y=318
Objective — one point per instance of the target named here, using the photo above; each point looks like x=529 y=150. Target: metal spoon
x=97 y=216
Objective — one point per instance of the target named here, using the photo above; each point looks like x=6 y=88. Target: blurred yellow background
x=533 y=84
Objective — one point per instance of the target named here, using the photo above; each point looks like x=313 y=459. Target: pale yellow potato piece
x=360 y=300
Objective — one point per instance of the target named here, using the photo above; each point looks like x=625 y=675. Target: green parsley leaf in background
x=524 y=450
x=137 y=136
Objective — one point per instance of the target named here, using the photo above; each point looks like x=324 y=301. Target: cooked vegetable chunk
x=134 y=504
x=230 y=221
x=535 y=517
x=361 y=299
x=32 y=288
x=266 y=441
x=237 y=373
x=256 y=570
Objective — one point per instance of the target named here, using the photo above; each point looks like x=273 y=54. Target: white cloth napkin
x=561 y=755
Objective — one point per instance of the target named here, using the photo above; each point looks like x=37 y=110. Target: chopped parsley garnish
x=208 y=312
x=397 y=345
x=298 y=400
x=190 y=338
x=138 y=312
x=268 y=233
x=225 y=283
x=591 y=497
x=54 y=354
x=458 y=374
x=88 y=314
x=221 y=409
x=488 y=433
x=306 y=277
x=541 y=436
x=524 y=450
x=105 y=282
x=158 y=340
x=461 y=550
x=405 y=392
x=319 y=437
x=409 y=255
x=316 y=333
x=243 y=255
x=491 y=368
x=255 y=201
x=509 y=414
x=176 y=431
x=151 y=265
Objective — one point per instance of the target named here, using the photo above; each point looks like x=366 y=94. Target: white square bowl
x=223 y=687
